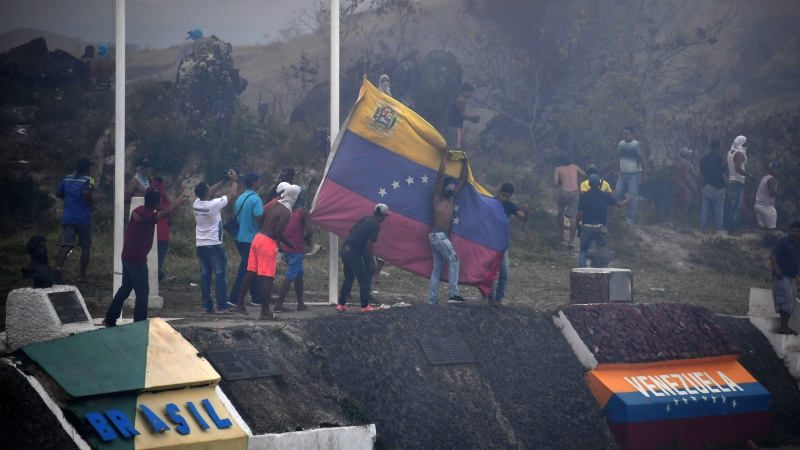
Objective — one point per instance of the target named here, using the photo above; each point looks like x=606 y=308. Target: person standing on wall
x=631 y=170
x=137 y=244
x=457 y=116
x=76 y=190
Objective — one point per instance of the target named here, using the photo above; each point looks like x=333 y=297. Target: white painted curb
x=585 y=356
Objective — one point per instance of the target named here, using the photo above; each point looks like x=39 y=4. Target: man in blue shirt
x=76 y=190
x=248 y=207
x=593 y=211
x=785 y=259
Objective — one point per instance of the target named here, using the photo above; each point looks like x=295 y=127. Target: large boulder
x=208 y=86
x=32 y=64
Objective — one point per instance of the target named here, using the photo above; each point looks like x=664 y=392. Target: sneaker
x=232 y=305
x=167 y=280
x=369 y=308
x=106 y=324
x=252 y=303
x=457 y=299
x=342 y=308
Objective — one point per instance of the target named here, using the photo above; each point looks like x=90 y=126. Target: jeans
x=737 y=196
x=712 y=198
x=629 y=183
x=213 y=258
x=499 y=287
x=244 y=253
x=443 y=252
x=163 y=246
x=134 y=278
x=589 y=235
x=354 y=270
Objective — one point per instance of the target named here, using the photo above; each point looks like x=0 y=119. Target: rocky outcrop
x=208 y=86
x=33 y=64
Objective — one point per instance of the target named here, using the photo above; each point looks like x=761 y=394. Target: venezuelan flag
x=386 y=153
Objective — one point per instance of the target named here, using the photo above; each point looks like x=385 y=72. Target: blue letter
x=101 y=426
x=197 y=415
x=221 y=423
x=158 y=425
x=122 y=423
x=183 y=427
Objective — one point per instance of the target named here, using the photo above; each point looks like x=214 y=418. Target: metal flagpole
x=119 y=142
x=333 y=263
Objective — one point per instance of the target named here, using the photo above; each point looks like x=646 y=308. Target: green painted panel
x=106 y=361
x=126 y=404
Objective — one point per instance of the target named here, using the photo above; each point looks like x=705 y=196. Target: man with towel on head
x=186 y=49
x=264 y=250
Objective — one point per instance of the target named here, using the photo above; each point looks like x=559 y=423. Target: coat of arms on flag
x=386 y=153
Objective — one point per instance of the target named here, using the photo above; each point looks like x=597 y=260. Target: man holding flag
x=447 y=188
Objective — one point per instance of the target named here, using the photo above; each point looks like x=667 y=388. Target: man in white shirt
x=209 y=241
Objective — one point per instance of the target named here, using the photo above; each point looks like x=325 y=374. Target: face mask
x=449 y=191
x=289 y=196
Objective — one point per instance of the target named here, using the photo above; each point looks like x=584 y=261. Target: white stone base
x=153 y=302
x=763 y=316
x=30 y=317
x=350 y=438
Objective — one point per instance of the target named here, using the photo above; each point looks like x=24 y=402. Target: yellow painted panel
x=231 y=438
x=172 y=362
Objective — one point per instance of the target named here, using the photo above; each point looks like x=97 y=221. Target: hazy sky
x=155 y=23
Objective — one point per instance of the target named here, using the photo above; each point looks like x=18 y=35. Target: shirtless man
x=685 y=186
x=447 y=188
x=264 y=250
x=141 y=180
x=566 y=175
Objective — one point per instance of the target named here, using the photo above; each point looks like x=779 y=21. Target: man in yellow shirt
x=592 y=169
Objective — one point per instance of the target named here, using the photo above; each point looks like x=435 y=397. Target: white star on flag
x=424 y=178
x=704 y=398
x=723 y=399
x=382 y=192
x=734 y=404
x=457 y=208
x=667 y=407
x=410 y=180
x=685 y=401
x=396 y=184
x=713 y=399
x=692 y=397
x=456 y=221
x=676 y=402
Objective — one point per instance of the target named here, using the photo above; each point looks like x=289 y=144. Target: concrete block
x=31 y=316
x=350 y=438
x=600 y=285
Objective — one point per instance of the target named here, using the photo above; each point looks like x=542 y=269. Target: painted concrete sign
x=705 y=400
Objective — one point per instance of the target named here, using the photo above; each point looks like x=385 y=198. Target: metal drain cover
x=243 y=363
x=446 y=350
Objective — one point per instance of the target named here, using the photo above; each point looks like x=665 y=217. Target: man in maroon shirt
x=138 y=242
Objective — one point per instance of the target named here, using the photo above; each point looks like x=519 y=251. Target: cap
x=775 y=164
x=594 y=180
x=251 y=177
x=685 y=151
x=143 y=162
x=287 y=172
x=83 y=165
x=381 y=209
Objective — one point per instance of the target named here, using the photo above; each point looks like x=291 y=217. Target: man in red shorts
x=264 y=250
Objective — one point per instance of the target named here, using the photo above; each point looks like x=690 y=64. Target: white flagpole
x=119 y=143
x=333 y=263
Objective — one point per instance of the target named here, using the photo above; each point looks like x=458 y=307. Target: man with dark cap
x=362 y=236
x=286 y=176
x=88 y=54
x=591 y=169
x=593 y=210
x=566 y=177
x=444 y=193
x=76 y=190
x=140 y=181
x=511 y=210
x=138 y=242
x=247 y=210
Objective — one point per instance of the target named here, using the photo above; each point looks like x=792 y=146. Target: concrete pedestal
x=763 y=316
x=590 y=285
x=154 y=300
x=31 y=316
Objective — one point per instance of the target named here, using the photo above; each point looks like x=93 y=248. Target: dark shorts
x=83 y=232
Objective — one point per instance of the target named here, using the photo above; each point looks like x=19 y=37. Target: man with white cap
x=737 y=160
x=263 y=259
x=685 y=186
x=362 y=236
